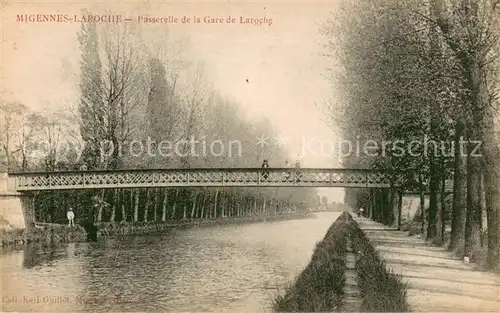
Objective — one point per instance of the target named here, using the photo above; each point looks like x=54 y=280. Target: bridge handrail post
x=187 y=178
x=223 y=177
x=258 y=177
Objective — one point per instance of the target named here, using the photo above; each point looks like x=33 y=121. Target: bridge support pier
x=28 y=207
x=17 y=210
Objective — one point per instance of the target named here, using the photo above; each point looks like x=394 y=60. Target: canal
x=232 y=268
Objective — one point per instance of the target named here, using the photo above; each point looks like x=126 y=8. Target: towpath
x=437 y=281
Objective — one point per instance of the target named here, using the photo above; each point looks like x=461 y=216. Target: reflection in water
x=36 y=256
x=226 y=268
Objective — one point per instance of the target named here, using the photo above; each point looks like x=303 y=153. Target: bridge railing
x=197 y=177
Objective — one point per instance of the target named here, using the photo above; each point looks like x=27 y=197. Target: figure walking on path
x=71 y=216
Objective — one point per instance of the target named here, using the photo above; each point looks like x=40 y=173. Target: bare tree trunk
x=223 y=204
x=422 y=204
x=400 y=208
x=175 y=203
x=442 y=217
x=434 y=213
x=195 y=197
x=215 y=202
x=248 y=206
x=492 y=190
x=208 y=209
x=124 y=213
x=165 y=202
x=433 y=231
x=199 y=205
x=459 y=182
x=203 y=203
x=101 y=207
x=136 y=206
x=155 y=205
x=371 y=204
x=473 y=213
x=483 y=210
x=238 y=202
x=115 y=203
x=394 y=207
x=148 y=203
x=131 y=205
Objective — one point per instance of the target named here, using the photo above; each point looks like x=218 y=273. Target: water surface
x=231 y=268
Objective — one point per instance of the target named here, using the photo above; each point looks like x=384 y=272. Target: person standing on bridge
x=71 y=216
x=298 y=175
x=265 y=173
x=287 y=173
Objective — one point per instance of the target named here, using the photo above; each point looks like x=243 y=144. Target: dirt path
x=437 y=281
x=352 y=298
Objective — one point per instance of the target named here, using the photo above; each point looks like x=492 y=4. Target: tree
x=16 y=134
x=91 y=108
x=468 y=32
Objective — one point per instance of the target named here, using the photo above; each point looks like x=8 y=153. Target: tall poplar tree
x=91 y=104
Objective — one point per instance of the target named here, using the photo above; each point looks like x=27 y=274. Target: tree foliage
x=407 y=71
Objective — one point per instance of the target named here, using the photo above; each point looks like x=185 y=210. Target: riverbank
x=345 y=274
x=49 y=234
x=320 y=285
x=42 y=234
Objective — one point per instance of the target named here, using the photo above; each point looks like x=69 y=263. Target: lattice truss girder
x=209 y=177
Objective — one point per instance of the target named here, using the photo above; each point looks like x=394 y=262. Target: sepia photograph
x=250 y=156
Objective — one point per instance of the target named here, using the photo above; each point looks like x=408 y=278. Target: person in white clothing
x=71 y=216
x=360 y=212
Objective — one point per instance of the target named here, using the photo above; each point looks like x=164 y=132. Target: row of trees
x=143 y=87
x=413 y=70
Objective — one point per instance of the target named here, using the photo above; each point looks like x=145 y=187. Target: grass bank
x=320 y=285
x=381 y=290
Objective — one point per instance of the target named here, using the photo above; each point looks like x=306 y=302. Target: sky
x=281 y=61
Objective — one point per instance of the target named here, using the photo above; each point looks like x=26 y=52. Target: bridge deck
x=247 y=177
